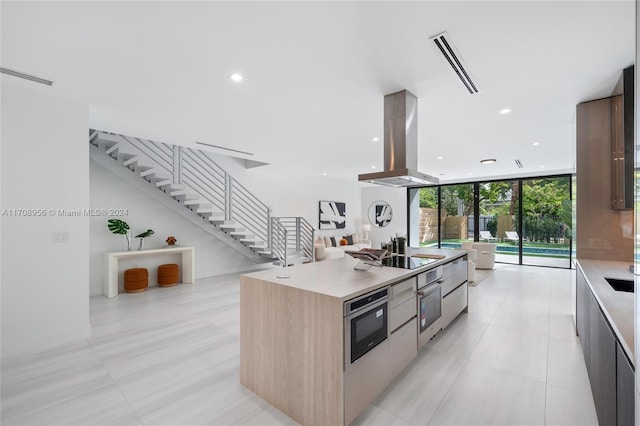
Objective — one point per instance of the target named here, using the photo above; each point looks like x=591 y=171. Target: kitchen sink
x=620 y=285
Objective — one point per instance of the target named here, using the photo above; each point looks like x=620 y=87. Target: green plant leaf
x=565 y=213
x=118 y=226
x=145 y=234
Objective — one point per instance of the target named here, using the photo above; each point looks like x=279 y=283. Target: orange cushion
x=343 y=242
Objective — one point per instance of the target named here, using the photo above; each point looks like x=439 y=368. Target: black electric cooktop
x=406 y=262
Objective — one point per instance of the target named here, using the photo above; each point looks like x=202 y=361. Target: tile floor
x=170 y=357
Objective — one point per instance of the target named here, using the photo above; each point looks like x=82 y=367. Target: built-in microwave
x=365 y=324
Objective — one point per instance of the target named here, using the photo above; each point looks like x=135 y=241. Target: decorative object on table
x=380 y=214
x=343 y=242
x=366 y=227
x=168 y=275
x=120 y=227
x=136 y=280
x=142 y=236
x=333 y=215
x=171 y=241
x=368 y=257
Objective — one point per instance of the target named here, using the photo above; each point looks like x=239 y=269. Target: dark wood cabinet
x=611 y=375
x=602 y=364
x=625 y=378
x=582 y=313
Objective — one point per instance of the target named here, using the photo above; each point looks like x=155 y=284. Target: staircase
x=190 y=183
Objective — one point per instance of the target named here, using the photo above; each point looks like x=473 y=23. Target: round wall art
x=380 y=214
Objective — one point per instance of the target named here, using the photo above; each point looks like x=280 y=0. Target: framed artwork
x=380 y=214
x=333 y=215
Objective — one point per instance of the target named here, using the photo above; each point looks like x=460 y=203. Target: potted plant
x=120 y=227
x=142 y=236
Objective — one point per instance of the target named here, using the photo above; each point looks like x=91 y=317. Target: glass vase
x=127 y=241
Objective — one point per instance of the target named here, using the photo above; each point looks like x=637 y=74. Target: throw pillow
x=327 y=242
x=333 y=242
x=356 y=238
x=343 y=242
x=320 y=240
x=348 y=239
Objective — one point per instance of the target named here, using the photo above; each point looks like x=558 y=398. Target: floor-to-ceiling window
x=498 y=206
x=428 y=222
x=457 y=206
x=529 y=219
x=545 y=236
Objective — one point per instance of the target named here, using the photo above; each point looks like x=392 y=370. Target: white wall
x=108 y=191
x=295 y=196
x=397 y=199
x=45 y=165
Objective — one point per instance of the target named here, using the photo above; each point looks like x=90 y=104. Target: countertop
x=337 y=278
x=618 y=306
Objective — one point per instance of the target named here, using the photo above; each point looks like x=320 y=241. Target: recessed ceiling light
x=236 y=77
x=376 y=139
x=440 y=157
x=373 y=167
x=488 y=161
x=504 y=111
x=469 y=173
x=324 y=174
x=542 y=166
x=535 y=143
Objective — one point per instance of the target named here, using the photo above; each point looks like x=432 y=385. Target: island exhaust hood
x=400 y=144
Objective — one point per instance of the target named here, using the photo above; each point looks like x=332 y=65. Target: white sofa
x=324 y=252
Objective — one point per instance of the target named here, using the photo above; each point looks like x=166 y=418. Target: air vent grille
x=26 y=76
x=446 y=47
x=518 y=163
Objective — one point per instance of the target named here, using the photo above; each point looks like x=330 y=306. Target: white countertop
x=337 y=278
x=618 y=306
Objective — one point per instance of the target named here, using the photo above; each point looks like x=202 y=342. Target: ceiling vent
x=518 y=163
x=446 y=47
x=26 y=76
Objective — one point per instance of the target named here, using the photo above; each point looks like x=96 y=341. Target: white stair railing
x=300 y=235
x=217 y=191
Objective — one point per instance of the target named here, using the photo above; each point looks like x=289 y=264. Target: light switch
x=61 y=237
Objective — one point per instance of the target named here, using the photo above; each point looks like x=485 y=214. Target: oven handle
x=367 y=308
x=427 y=290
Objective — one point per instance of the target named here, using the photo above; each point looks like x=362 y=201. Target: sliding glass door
x=498 y=202
x=546 y=222
x=457 y=208
x=428 y=222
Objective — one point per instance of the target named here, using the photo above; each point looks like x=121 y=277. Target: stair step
x=201 y=209
x=241 y=232
x=151 y=173
x=124 y=156
x=162 y=183
x=106 y=141
x=251 y=241
x=113 y=148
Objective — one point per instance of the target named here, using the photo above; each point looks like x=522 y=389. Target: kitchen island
x=292 y=335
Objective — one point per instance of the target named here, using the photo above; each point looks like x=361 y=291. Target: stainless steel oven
x=429 y=299
x=365 y=324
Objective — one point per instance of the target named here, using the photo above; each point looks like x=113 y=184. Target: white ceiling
x=316 y=73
